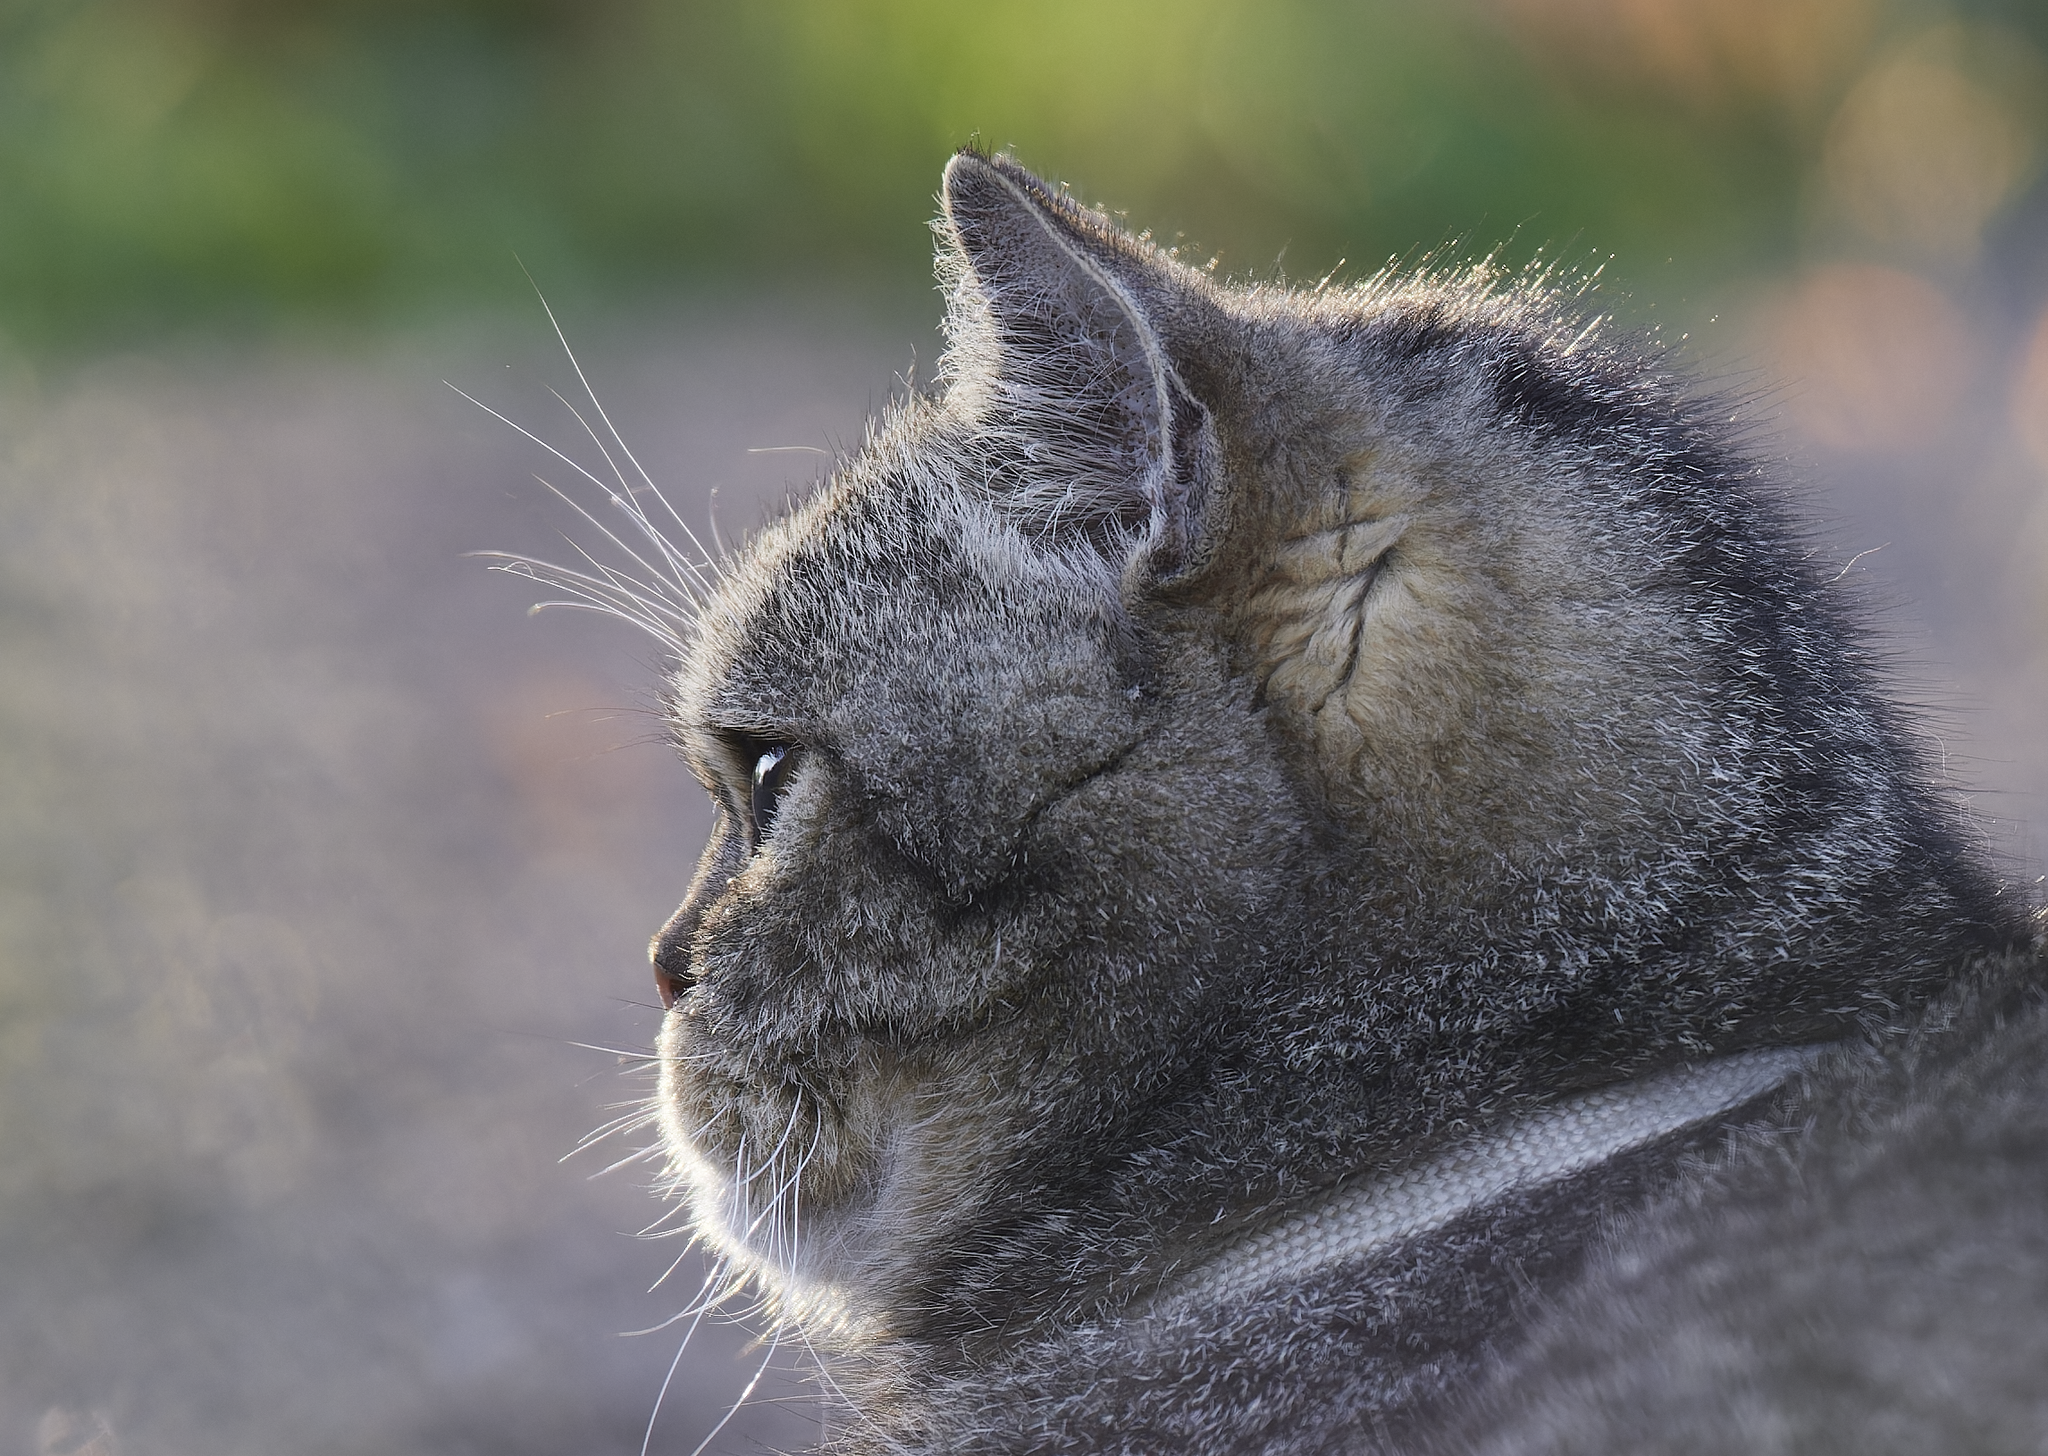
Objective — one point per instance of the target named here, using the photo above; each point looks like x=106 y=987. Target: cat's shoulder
x=1881 y=1224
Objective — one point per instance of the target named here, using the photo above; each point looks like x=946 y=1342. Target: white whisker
x=662 y=591
x=796 y=1106
x=680 y=566
x=715 y=1289
x=711 y=515
x=566 y=460
x=662 y=1394
x=596 y=404
x=629 y=1122
x=617 y=578
x=638 y=1155
x=774 y=1205
x=656 y=1231
x=774 y=1344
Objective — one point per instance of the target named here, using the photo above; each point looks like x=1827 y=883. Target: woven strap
x=1545 y=1145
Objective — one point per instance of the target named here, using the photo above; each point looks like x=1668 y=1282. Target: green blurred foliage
x=167 y=164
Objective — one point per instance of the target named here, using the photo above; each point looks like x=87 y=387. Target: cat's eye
x=771 y=775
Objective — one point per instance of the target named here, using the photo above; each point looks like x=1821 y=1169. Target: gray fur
x=1247 y=739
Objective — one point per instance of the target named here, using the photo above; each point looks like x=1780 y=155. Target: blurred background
x=328 y=873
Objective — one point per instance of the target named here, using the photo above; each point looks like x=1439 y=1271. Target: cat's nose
x=670 y=952
x=670 y=983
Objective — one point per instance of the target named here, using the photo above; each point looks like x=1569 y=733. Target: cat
x=1313 y=871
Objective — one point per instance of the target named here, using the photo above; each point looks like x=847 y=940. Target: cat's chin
x=808 y=1185
x=771 y=1251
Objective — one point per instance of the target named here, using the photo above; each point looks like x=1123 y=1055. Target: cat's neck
x=1361 y=1217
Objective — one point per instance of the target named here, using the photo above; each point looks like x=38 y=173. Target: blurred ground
x=319 y=861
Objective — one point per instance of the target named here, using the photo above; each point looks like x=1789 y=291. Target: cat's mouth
x=821 y=1178
x=773 y=1157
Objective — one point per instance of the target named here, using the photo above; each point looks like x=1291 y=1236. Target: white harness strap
x=1545 y=1145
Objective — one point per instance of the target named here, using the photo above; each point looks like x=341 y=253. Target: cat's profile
x=1313 y=872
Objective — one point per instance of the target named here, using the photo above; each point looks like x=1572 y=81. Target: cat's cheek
x=758 y=1160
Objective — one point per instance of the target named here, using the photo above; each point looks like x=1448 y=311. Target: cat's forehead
x=889 y=521
x=896 y=558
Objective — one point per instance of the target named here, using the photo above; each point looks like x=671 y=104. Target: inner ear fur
x=1051 y=342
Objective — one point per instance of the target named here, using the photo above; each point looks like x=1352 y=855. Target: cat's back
x=1866 y=1273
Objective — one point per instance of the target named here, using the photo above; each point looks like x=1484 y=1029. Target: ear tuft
x=1091 y=429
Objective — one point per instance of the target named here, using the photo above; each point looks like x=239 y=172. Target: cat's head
x=1225 y=737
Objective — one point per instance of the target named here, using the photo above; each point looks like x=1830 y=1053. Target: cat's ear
x=1051 y=344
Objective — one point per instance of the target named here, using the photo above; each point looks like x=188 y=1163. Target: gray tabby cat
x=1311 y=872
